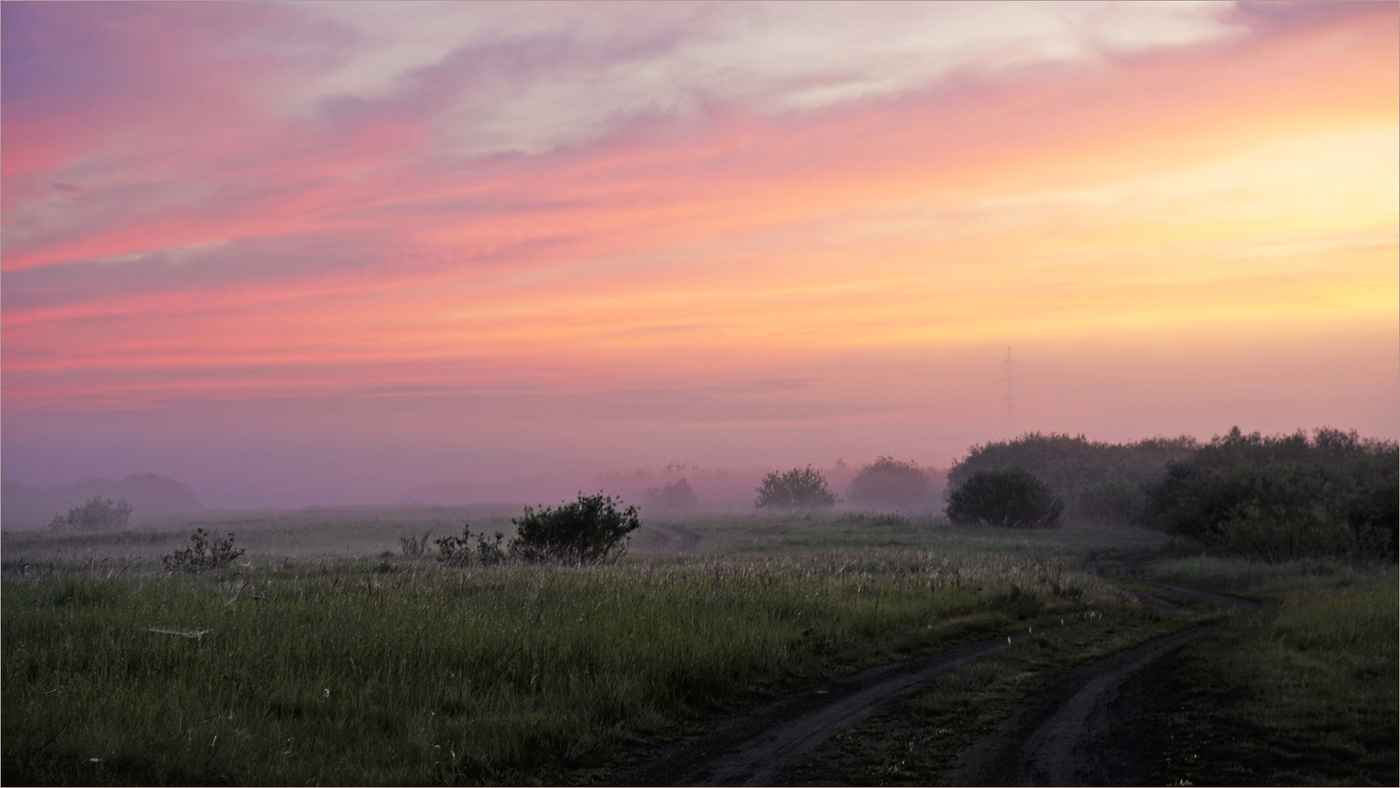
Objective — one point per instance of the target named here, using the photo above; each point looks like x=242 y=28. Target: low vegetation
x=206 y=552
x=460 y=551
x=395 y=671
x=1301 y=693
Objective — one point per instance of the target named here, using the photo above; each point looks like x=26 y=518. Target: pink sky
x=325 y=252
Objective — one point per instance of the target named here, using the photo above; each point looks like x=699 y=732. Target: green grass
x=1302 y=693
x=392 y=670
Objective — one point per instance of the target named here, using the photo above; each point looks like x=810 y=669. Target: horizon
x=317 y=254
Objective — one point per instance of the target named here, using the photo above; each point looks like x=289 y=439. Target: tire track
x=1053 y=738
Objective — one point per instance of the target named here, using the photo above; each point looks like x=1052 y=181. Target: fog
x=543 y=444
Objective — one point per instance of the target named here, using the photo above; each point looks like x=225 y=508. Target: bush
x=1284 y=497
x=677 y=496
x=98 y=514
x=590 y=530
x=1007 y=498
x=888 y=481
x=799 y=488
x=457 y=550
x=204 y=552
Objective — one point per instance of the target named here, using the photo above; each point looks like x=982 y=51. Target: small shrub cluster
x=205 y=552
x=799 y=488
x=1284 y=497
x=415 y=545
x=590 y=530
x=98 y=514
x=458 y=550
x=1012 y=498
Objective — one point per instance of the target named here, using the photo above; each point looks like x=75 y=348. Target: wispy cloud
x=222 y=202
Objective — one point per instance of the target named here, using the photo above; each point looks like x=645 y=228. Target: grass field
x=328 y=658
x=1304 y=693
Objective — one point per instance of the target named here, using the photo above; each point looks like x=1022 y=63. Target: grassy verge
x=391 y=670
x=1301 y=693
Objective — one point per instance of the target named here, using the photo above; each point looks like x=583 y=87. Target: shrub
x=415 y=545
x=888 y=481
x=676 y=496
x=98 y=514
x=1284 y=497
x=457 y=550
x=590 y=530
x=1008 y=498
x=799 y=488
x=204 y=552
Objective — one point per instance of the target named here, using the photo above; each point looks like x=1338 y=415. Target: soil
x=1077 y=730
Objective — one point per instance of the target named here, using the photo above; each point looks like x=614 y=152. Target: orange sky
x=582 y=237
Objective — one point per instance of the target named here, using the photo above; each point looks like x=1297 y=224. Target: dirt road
x=754 y=747
x=1068 y=733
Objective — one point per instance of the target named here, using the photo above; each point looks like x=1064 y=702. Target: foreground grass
x=379 y=671
x=1302 y=693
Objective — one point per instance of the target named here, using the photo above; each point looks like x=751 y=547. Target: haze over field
x=331 y=252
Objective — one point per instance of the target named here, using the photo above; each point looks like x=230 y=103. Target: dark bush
x=799 y=488
x=590 y=530
x=677 y=496
x=1284 y=497
x=1007 y=498
x=205 y=552
x=98 y=514
x=890 y=482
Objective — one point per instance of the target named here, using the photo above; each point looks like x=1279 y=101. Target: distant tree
x=98 y=514
x=799 y=488
x=589 y=530
x=675 y=496
x=888 y=481
x=1097 y=481
x=1008 y=498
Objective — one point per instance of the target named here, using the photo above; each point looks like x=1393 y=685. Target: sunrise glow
x=297 y=253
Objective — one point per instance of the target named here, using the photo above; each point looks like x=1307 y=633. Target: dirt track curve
x=1062 y=735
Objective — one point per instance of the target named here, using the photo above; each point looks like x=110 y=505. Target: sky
x=319 y=253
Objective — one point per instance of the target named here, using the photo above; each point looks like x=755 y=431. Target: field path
x=1068 y=733
x=1079 y=728
x=754 y=747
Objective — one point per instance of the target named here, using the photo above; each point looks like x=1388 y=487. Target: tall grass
x=403 y=671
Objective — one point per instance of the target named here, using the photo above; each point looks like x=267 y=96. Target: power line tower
x=1010 y=390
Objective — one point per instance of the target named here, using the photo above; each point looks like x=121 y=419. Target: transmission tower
x=1010 y=390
